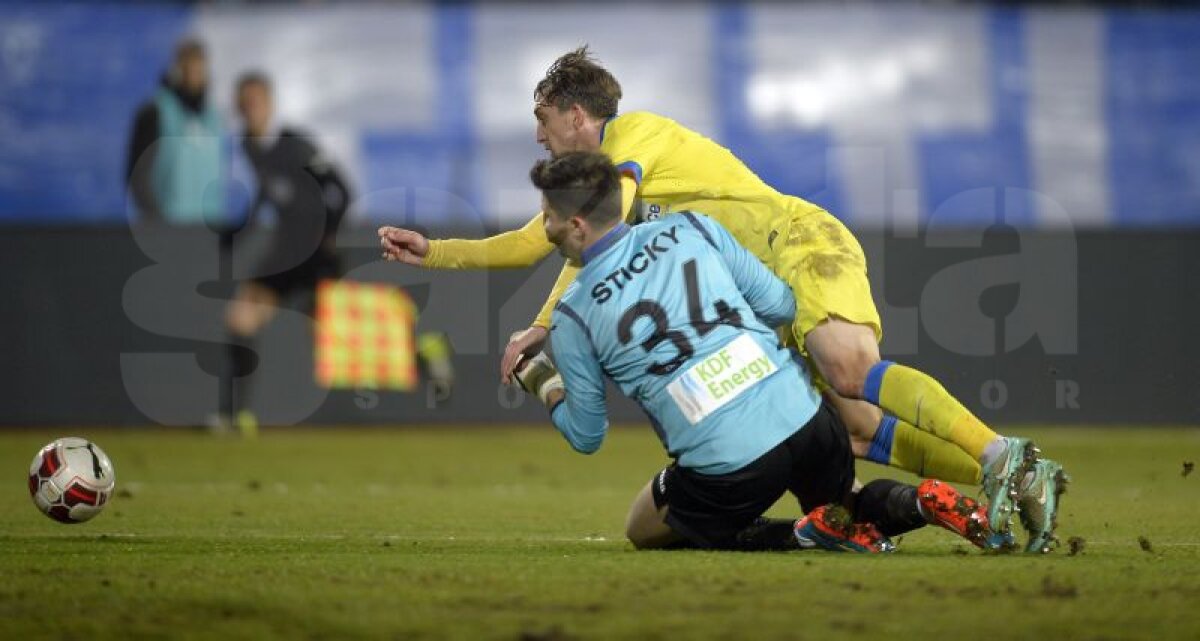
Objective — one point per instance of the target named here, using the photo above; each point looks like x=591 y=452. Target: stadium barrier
x=105 y=327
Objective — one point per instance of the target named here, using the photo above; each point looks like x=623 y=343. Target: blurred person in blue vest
x=176 y=169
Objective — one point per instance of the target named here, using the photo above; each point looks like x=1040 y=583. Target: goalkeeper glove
x=538 y=376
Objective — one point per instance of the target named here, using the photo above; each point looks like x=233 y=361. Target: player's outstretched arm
x=403 y=245
x=769 y=297
x=517 y=248
x=531 y=340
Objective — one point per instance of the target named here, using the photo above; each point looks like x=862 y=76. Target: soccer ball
x=71 y=479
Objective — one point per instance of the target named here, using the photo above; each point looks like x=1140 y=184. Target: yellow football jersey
x=674 y=169
x=678 y=169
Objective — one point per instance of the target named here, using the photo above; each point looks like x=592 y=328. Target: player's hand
x=521 y=344
x=538 y=376
x=403 y=245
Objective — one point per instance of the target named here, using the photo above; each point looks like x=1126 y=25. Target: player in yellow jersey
x=666 y=169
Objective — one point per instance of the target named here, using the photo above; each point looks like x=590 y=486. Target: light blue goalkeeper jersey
x=679 y=316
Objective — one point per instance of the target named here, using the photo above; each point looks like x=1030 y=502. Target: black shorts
x=303 y=277
x=815 y=464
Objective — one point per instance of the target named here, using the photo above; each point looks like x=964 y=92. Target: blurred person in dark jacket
x=175 y=169
x=309 y=199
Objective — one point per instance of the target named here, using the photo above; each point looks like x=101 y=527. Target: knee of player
x=847 y=371
x=632 y=534
x=637 y=533
x=236 y=322
x=846 y=380
x=859 y=445
x=640 y=541
x=632 y=537
x=233 y=319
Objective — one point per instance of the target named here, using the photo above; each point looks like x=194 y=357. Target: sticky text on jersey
x=638 y=263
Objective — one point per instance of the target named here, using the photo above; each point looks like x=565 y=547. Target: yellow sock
x=903 y=446
x=928 y=456
x=916 y=398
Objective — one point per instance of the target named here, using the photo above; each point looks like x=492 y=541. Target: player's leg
x=841 y=330
x=822 y=480
x=826 y=269
x=685 y=508
x=646 y=525
x=863 y=520
x=848 y=356
x=896 y=508
x=647 y=529
x=254 y=304
x=945 y=506
x=886 y=440
x=823 y=474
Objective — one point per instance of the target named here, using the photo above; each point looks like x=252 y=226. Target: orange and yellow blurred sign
x=365 y=336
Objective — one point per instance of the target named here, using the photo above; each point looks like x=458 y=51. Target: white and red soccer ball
x=71 y=480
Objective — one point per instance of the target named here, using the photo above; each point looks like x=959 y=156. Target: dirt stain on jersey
x=835 y=255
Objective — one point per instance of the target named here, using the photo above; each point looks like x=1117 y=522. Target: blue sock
x=875 y=381
x=881 y=444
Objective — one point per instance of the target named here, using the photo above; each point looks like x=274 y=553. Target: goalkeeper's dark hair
x=576 y=77
x=580 y=183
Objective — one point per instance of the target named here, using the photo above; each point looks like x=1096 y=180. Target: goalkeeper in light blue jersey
x=675 y=311
x=679 y=316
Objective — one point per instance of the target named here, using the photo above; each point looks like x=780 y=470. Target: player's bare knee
x=859 y=446
x=860 y=418
x=847 y=372
x=639 y=542
x=845 y=378
x=234 y=319
x=240 y=319
x=845 y=384
x=645 y=540
x=636 y=533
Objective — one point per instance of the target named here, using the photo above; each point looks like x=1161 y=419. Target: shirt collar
x=607 y=240
x=604 y=127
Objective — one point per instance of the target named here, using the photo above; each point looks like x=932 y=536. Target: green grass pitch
x=442 y=532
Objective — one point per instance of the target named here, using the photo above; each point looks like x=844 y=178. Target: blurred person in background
x=175 y=169
x=309 y=199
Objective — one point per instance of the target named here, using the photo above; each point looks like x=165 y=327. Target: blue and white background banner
x=888 y=115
